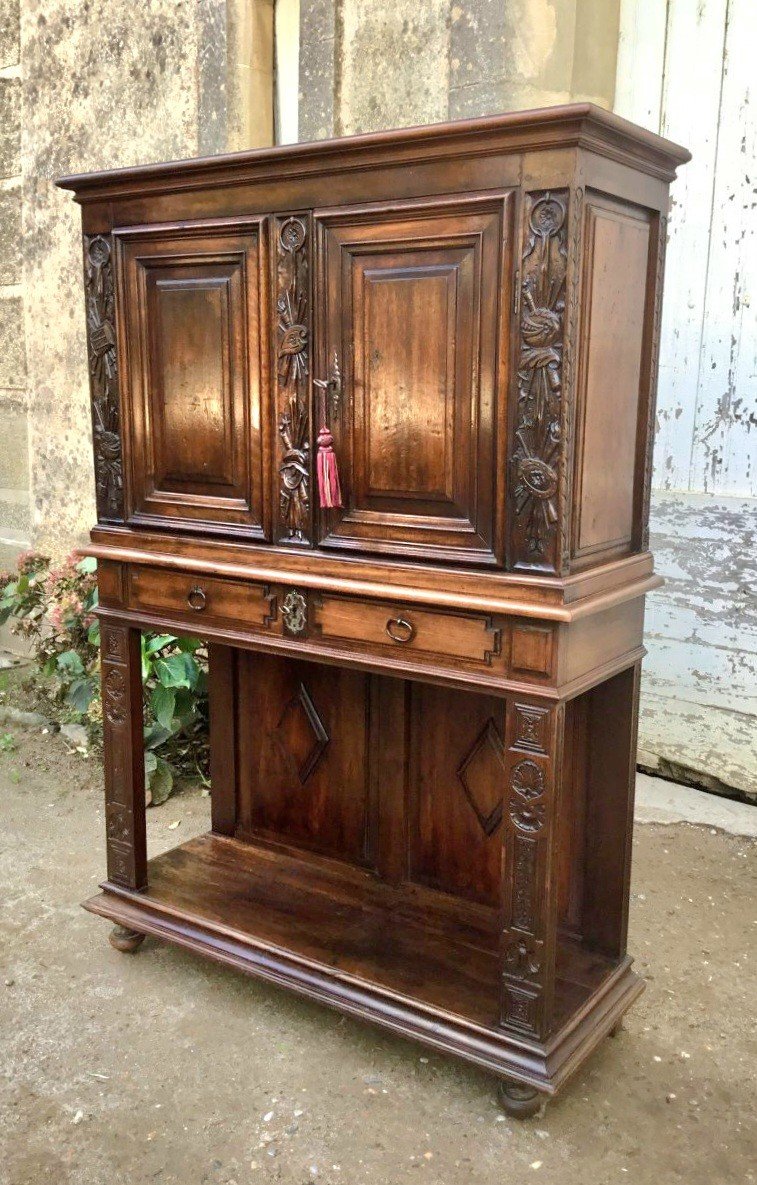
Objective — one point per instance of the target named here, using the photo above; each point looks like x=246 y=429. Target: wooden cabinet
x=373 y=418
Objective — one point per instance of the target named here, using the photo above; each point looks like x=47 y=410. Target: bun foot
x=617 y=1028
x=127 y=941
x=518 y=1101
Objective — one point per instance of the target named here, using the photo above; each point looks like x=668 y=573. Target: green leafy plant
x=54 y=609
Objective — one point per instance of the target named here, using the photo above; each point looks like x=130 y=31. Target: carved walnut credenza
x=373 y=418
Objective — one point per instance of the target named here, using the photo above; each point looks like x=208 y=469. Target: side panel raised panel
x=618 y=285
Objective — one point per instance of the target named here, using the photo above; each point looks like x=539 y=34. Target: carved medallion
x=292 y=374
x=522 y=956
x=103 y=376
x=538 y=426
x=114 y=689
x=527 y=779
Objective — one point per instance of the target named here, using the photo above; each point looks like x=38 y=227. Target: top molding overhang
x=577 y=125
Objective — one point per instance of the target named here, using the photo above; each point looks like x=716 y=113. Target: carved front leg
x=534 y=751
x=124 y=756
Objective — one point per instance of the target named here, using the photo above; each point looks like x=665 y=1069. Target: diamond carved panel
x=480 y=775
x=302 y=733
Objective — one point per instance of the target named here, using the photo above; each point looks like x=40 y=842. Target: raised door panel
x=195 y=381
x=304 y=762
x=409 y=304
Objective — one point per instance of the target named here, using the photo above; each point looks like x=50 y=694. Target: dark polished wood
x=423 y=701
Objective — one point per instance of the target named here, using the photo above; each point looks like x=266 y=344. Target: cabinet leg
x=124 y=940
x=617 y=1028
x=519 y=1101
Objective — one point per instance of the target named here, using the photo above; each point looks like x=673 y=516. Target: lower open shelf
x=345 y=944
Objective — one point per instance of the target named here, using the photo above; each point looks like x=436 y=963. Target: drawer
x=201 y=597
x=467 y=637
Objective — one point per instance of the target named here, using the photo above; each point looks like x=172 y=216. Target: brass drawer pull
x=400 y=630
x=196 y=598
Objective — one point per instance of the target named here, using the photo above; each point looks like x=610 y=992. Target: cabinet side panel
x=617 y=287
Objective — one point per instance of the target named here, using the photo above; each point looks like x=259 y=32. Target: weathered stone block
x=10 y=235
x=10 y=33
x=10 y=127
x=317 y=73
x=14 y=454
x=14 y=514
x=395 y=70
x=12 y=354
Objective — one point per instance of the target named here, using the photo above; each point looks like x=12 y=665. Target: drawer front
x=200 y=597
x=446 y=635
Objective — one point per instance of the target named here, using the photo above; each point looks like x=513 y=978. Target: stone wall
x=367 y=65
x=83 y=87
x=15 y=527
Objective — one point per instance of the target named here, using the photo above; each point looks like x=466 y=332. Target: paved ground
x=162 y=1068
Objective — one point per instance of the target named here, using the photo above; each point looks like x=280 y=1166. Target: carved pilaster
x=540 y=455
x=534 y=736
x=103 y=376
x=292 y=350
x=124 y=759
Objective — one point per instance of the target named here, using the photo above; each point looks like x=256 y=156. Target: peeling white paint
x=699 y=692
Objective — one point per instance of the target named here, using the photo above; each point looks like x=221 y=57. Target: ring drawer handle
x=196 y=598
x=400 y=630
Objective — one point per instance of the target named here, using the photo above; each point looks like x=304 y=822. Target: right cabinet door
x=410 y=308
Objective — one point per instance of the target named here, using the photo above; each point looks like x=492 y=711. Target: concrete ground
x=161 y=1067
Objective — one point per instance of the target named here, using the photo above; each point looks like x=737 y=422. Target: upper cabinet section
x=194 y=373
x=437 y=345
x=409 y=313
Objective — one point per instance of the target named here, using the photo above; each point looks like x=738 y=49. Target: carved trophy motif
x=292 y=372
x=103 y=376
x=538 y=417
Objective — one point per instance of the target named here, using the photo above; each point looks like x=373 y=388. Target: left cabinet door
x=195 y=378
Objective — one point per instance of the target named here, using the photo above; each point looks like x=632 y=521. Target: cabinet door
x=408 y=301
x=195 y=377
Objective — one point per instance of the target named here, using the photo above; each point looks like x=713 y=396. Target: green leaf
x=155 y=735
x=80 y=694
x=161 y=782
x=50 y=666
x=87 y=565
x=93 y=634
x=184 y=707
x=70 y=663
x=157 y=642
x=176 y=670
x=188 y=645
x=4 y=614
x=162 y=702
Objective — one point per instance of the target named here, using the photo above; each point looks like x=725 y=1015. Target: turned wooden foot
x=127 y=941
x=518 y=1101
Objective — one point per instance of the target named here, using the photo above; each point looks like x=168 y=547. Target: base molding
x=544 y=1066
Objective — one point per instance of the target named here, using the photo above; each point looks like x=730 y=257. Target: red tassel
x=329 y=490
